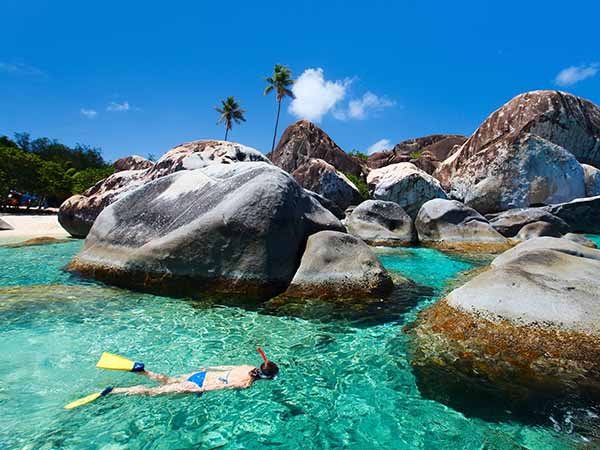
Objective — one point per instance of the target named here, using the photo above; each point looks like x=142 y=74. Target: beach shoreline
x=31 y=226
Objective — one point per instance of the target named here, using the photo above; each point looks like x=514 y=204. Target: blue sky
x=141 y=77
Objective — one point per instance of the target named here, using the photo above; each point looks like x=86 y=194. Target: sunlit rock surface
x=223 y=229
x=378 y=222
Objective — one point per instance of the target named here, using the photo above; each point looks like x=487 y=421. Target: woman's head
x=268 y=369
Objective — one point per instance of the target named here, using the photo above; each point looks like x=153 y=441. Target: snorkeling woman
x=203 y=380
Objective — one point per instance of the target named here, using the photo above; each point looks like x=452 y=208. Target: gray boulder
x=591 y=177
x=381 y=223
x=132 y=162
x=4 y=226
x=77 y=213
x=510 y=222
x=224 y=229
x=319 y=176
x=405 y=184
x=531 y=321
x=337 y=266
x=450 y=224
x=582 y=214
x=580 y=239
x=538 y=229
x=327 y=204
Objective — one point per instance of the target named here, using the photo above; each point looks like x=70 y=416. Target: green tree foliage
x=230 y=112
x=416 y=154
x=48 y=169
x=359 y=155
x=360 y=184
x=281 y=82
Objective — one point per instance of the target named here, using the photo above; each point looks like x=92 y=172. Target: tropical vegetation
x=230 y=112
x=280 y=82
x=48 y=169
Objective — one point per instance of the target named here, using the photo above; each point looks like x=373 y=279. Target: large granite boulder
x=538 y=229
x=77 y=213
x=591 y=177
x=582 y=214
x=531 y=323
x=223 y=229
x=448 y=224
x=327 y=204
x=405 y=184
x=321 y=177
x=132 y=162
x=425 y=152
x=510 y=222
x=378 y=222
x=337 y=266
x=511 y=159
x=304 y=140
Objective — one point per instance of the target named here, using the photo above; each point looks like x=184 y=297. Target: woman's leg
x=159 y=377
x=173 y=388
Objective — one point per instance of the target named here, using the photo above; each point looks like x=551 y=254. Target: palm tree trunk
x=226 y=132
x=276 y=125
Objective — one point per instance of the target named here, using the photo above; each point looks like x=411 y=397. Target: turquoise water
x=345 y=382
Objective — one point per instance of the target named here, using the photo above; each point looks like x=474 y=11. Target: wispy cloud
x=89 y=113
x=574 y=74
x=118 y=107
x=19 y=68
x=379 y=146
x=361 y=108
x=316 y=96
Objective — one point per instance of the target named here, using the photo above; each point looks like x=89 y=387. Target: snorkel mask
x=261 y=374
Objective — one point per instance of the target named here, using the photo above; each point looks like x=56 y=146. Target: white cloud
x=89 y=113
x=379 y=146
x=316 y=96
x=19 y=68
x=360 y=108
x=118 y=107
x=574 y=74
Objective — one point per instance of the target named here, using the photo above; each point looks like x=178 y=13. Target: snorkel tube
x=264 y=357
x=261 y=374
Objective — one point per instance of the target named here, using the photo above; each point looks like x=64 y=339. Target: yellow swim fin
x=88 y=399
x=116 y=362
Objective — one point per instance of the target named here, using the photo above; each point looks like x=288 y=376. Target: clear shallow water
x=344 y=383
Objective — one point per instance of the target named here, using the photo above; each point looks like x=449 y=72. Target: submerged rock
x=42 y=240
x=582 y=214
x=224 y=229
x=133 y=162
x=526 y=153
x=77 y=213
x=337 y=266
x=381 y=223
x=580 y=239
x=448 y=224
x=405 y=184
x=510 y=222
x=319 y=176
x=529 y=325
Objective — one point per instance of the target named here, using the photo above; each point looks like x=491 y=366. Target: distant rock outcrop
x=77 y=213
x=304 y=140
x=510 y=222
x=133 y=162
x=321 y=177
x=425 y=152
x=405 y=184
x=222 y=229
x=526 y=153
x=591 y=177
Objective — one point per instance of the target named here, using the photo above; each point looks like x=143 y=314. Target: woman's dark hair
x=269 y=369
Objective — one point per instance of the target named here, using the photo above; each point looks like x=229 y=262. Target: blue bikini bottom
x=198 y=378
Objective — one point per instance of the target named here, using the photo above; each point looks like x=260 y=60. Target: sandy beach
x=27 y=227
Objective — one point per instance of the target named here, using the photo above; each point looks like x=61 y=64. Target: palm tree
x=280 y=82
x=230 y=112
